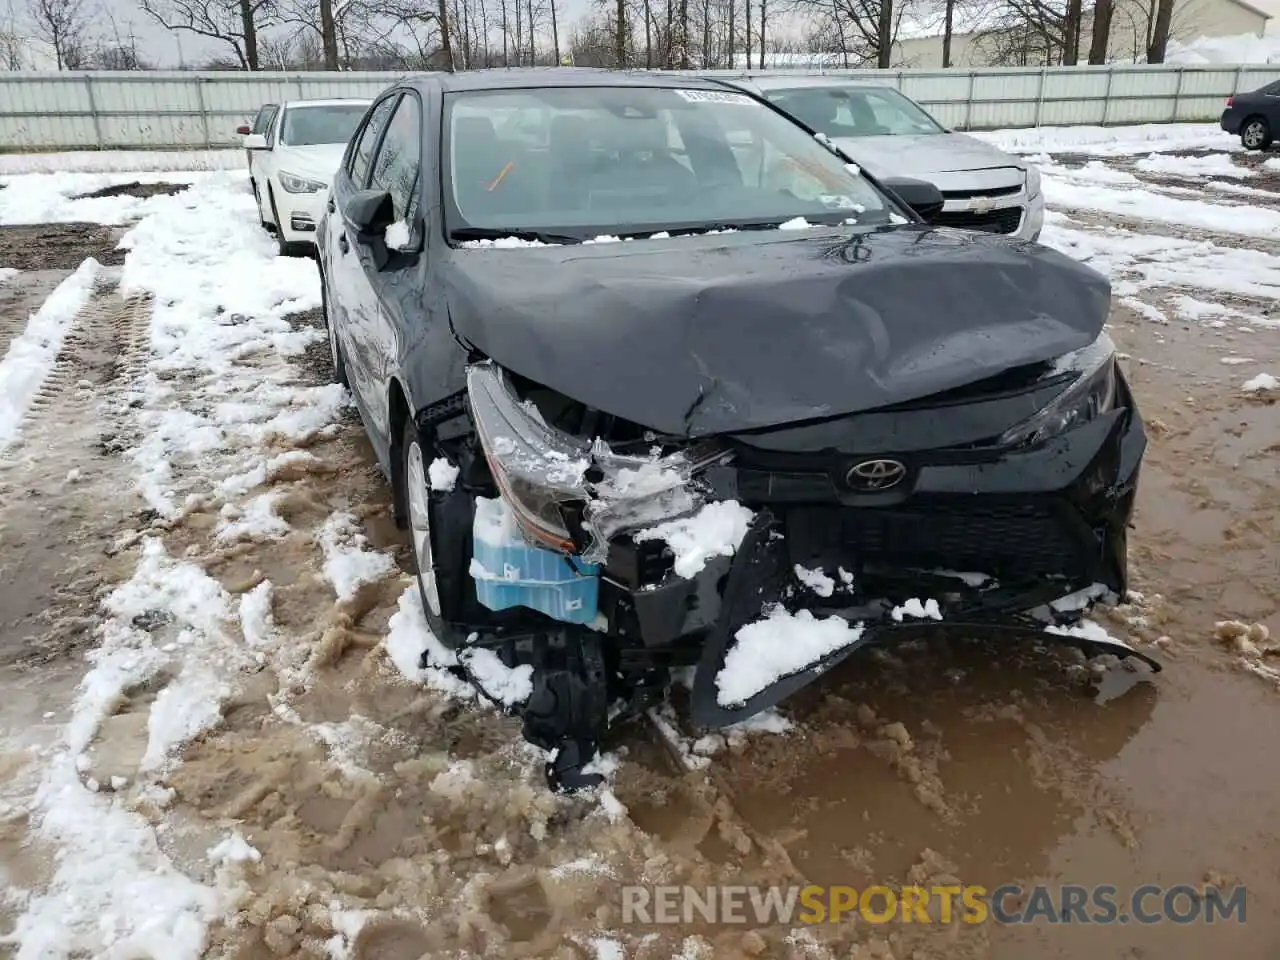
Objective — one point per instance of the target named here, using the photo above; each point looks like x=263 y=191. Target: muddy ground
x=960 y=760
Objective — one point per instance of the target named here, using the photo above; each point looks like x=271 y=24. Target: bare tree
x=63 y=25
x=620 y=36
x=764 y=19
x=1160 y=31
x=948 y=27
x=555 y=33
x=12 y=44
x=233 y=22
x=1103 y=10
x=446 y=49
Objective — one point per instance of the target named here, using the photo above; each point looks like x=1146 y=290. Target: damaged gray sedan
x=660 y=383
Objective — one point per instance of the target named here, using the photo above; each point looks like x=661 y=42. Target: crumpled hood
x=925 y=154
x=718 y=334
x=318 y=162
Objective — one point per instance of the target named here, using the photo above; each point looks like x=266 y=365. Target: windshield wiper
x=501 y=233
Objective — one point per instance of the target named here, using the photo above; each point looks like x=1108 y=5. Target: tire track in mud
x=63 y=501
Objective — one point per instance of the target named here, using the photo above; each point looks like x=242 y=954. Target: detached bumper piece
x=761 y=574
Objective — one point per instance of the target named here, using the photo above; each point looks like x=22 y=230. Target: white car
x=296 y=160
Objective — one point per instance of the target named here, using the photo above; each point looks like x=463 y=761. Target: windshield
x=331 y=123
x=855 y=111
x=578 y=162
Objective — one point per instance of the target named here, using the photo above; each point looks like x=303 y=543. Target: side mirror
x=370 y=212
x=244 y=130
x=920 y=195
x=255 y=141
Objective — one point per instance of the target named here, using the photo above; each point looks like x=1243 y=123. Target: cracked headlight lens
x=1090 y=395
x=296 y=184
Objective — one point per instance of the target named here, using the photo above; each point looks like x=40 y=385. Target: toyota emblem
x=873 y=476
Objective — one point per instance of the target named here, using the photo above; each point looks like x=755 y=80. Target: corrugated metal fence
x=159 y=110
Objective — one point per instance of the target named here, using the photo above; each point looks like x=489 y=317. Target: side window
x=395 y=169
x=264 y=118
x=362 y=154
x=273 y=125
x=1271 y=89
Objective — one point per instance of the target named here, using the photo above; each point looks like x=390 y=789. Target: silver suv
x=891 y=135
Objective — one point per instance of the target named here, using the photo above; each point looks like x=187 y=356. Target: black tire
x=257 y=200
x=448 y=533
x=283 y=246
x=339 y=366
x=1255 y=133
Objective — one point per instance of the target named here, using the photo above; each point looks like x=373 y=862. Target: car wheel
x=283 y=246
x=1255 y=134
x=335 y=353
x=440 y=532
x=257 y=202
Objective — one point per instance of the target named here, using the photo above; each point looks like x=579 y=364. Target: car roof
x=796 y=82
x=328 y=102
x=501 y=78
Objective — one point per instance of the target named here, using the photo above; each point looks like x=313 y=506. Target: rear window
x=856 y=111
x=332 y=123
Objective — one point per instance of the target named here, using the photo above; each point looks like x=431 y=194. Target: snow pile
x=218 y=322
x=114 y=892
x=816 y=580
x=509 y=686
x=59 y=197
x=1137 y=204
x=442 y=475
x=204 y=657
x=781 y=644
x=1112 y=141
x=408 y=638
x=130 y=161
x=234 y=849
x=256 y=520
x=8 y=273
x=1262 y=383
x=1136 y=261
x=1241 y=48
x=926 y=610
x=32 y=353
x=348 y=564
x=714 y=531
x=1193 y=168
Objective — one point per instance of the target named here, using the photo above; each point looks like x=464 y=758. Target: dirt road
x=391 y=821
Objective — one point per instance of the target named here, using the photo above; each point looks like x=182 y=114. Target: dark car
x=668 y=376
x=1254 y=116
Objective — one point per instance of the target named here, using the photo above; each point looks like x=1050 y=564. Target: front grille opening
x=1005 y=220
x=985 y=192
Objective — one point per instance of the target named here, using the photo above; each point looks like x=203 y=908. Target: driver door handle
x=342 y=243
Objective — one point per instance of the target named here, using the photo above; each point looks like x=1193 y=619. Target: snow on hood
x=318 y=161
x=924 y=154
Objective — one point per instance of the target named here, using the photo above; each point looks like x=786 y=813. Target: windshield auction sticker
x=715 y=96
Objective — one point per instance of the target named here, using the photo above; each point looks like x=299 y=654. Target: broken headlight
x=540 y=470
x=536 y=468
x=1091 y=394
